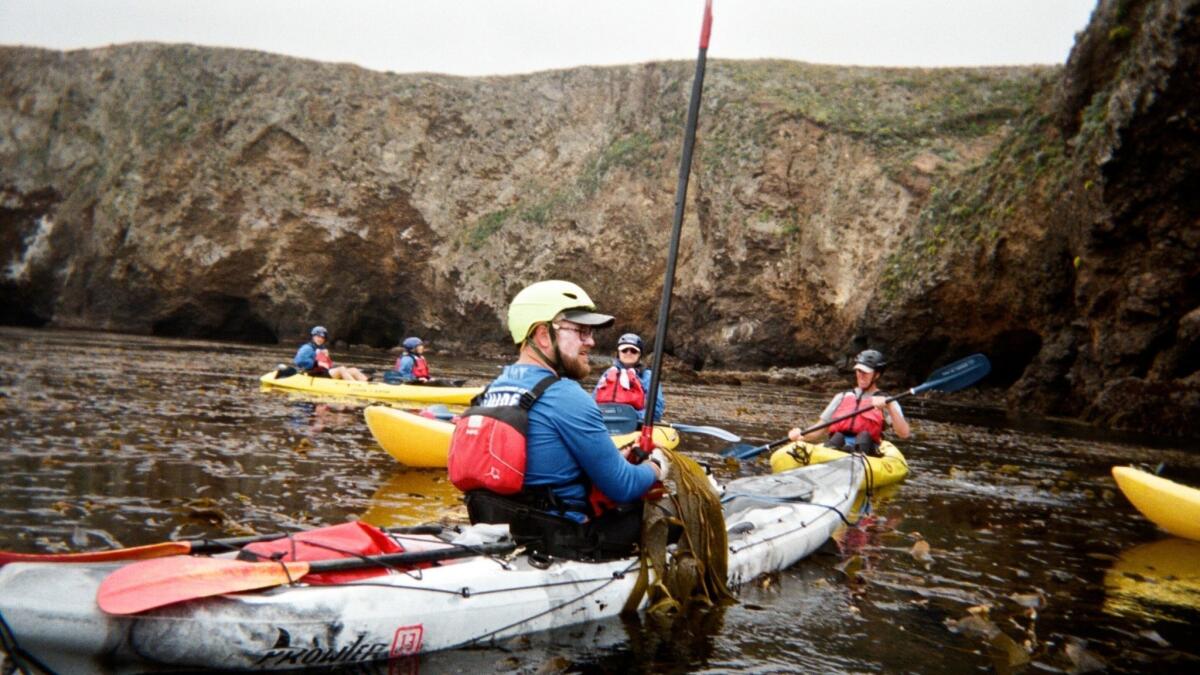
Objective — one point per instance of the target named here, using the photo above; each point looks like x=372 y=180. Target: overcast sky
x=481 y=37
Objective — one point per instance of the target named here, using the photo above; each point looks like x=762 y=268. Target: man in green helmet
x=569 y=452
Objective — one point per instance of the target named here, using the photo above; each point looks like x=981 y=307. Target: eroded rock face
x=189 y=191
x=1045 y=216
x=1077 y=264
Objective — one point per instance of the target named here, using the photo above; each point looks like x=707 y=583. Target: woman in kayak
x=313 y=358
x=864 y=431
x=627 y=380
x=411 y=365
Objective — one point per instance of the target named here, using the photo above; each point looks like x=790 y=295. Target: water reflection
x=1159 y=580
x=415 y=496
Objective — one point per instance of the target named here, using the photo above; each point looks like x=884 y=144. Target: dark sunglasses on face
x=629 y=350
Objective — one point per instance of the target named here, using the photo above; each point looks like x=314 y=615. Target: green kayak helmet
x=543 y=301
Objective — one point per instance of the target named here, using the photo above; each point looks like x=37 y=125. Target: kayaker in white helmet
x=567 y=451
x=627 y=380
x=863 y=432
x=313 y=358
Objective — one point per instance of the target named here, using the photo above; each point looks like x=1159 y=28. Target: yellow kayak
x=378 y=391
x=1173 y=507
x=886 y=470
x=422 y=442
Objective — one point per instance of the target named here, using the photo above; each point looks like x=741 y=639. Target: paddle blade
x=146 y=552
x=165 y=581
x=743 y=451
x=957 y=375
x=715 y=432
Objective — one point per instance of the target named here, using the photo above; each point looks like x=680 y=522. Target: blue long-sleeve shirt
x=660 y=403
x=404 y=365
x=306 y=356
x=567 y=444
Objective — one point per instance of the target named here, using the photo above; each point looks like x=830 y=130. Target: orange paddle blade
x=155 y=583
x=146 y=552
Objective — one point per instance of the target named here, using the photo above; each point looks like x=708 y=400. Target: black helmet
x=870 y=361
x=631 y=339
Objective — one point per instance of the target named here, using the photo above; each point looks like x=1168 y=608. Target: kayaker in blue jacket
x=411 y=366
x=313 y=358
x=627 y=380
x=568 y=449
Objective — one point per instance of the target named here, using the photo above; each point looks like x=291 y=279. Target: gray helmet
x=319 y=330
x=870 y=361
x=412 y=343
x=631 y=339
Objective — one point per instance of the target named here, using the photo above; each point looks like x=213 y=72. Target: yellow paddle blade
x=165 y=581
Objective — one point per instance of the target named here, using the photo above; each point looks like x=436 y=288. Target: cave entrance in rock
x=1011 y=352
x=216 y=316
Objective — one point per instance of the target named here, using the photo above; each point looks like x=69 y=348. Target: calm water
x=117 y=441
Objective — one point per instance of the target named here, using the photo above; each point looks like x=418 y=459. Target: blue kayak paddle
x=949 y=378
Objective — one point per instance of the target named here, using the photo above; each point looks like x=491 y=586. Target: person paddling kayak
x=313 y=358
x=411 y=366
x=627 y=380
x=863 y=432
x=537 y=416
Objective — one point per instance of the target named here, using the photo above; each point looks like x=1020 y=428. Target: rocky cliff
x=1071 y=254
x=1044 y=215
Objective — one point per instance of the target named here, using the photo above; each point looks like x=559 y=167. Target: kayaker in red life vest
x=863 y=432
x=568 y=450
x=412 y=365
x=627 y=380
x=313 y=358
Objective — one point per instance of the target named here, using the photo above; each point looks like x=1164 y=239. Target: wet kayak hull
x=773 y=520
x=376 y=391
x=1172 y=506
x=887 y=469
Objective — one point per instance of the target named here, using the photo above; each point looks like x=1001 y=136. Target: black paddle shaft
x=685 y=169
x=235 y=543
x=411 y=557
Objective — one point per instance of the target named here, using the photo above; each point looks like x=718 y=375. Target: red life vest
x=487 y=450
x=870 y=420
x=612 y=391
x=323 y=358
x=420 y=367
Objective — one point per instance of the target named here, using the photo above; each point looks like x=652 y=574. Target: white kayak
x=50 y=614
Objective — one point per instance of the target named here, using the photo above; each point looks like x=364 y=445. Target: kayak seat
x=393 y=377
x=620 y=418
x=533 y=525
